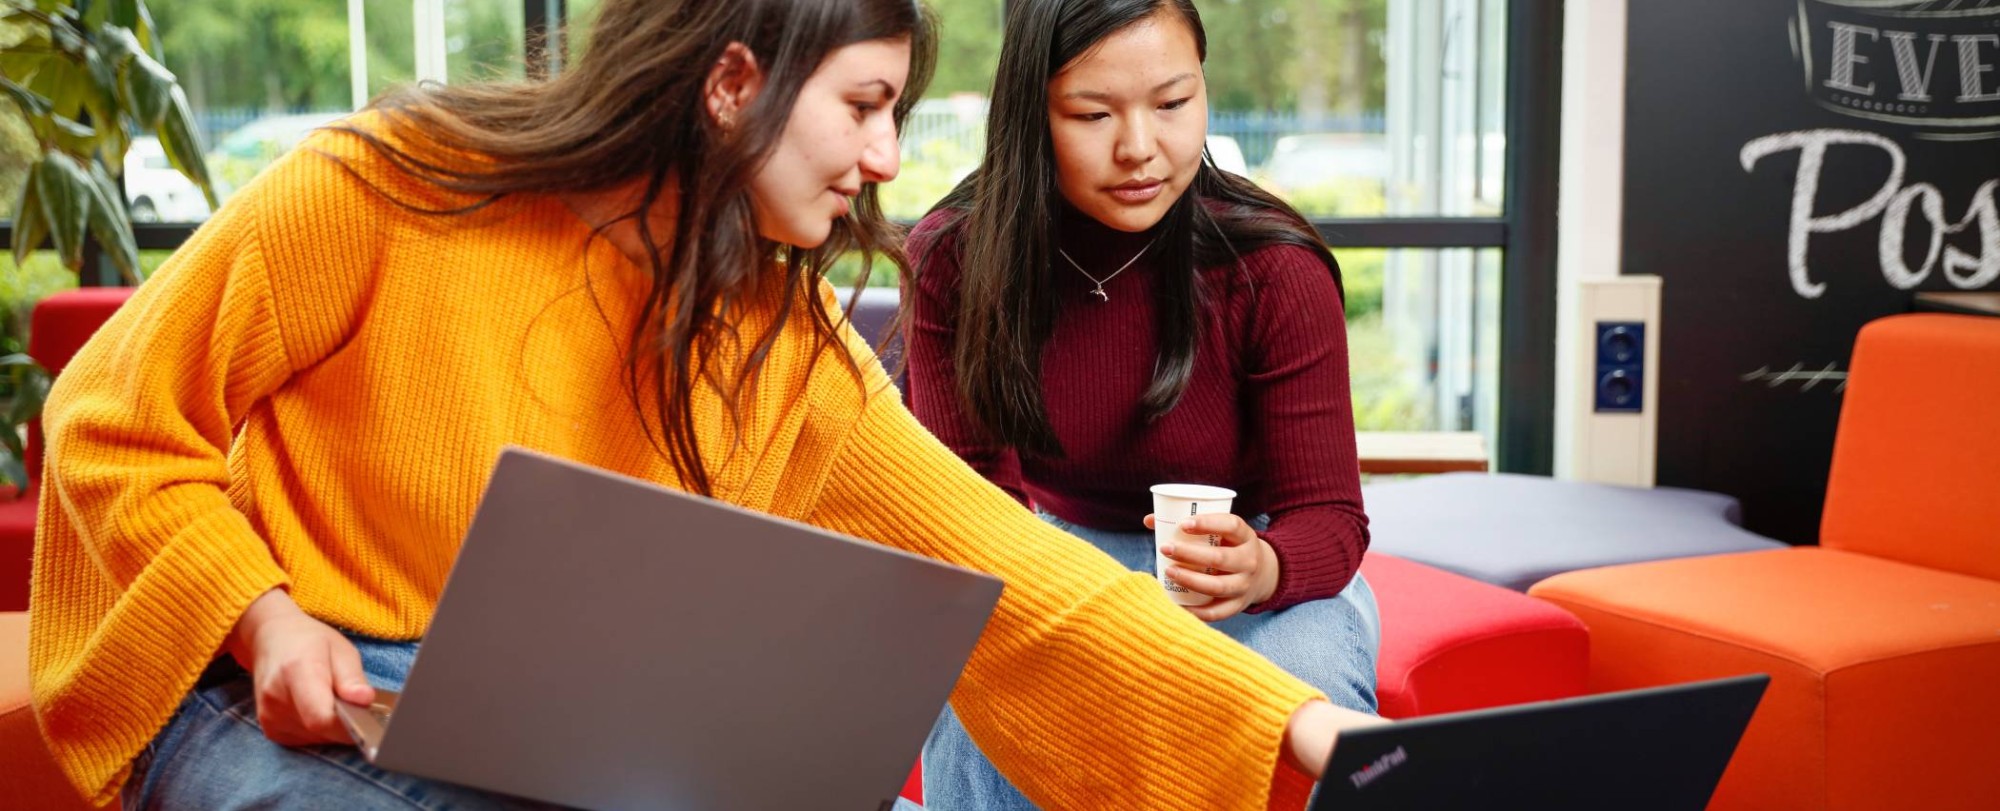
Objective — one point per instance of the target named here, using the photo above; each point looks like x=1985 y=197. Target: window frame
x=1525 y=232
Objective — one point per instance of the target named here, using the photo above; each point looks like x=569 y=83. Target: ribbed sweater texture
x=311 y=393
x=1267 y=410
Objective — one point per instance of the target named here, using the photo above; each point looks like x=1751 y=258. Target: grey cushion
x=1513 y=530
x=874 y=314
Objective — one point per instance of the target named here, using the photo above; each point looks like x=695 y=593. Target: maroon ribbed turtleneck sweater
x=1268 y=412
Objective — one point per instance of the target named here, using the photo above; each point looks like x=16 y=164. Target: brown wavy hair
x=631 y=109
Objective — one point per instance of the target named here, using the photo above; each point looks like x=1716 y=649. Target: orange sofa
x=1883 y=643
x=29 y=779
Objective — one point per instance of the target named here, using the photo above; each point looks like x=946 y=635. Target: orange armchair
x=1883 y=643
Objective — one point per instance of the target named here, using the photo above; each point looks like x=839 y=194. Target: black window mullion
x=1414 y=232
x=1526 y=435
x=546 y=37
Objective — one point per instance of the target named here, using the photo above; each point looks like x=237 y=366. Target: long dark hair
x=1003 y=220
x=631 y=108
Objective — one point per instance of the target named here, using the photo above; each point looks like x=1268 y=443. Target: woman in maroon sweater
x=1098 y=309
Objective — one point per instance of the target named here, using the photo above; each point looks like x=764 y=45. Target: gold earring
x=726 y=120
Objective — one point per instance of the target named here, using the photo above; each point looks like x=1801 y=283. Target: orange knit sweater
x=311 y=394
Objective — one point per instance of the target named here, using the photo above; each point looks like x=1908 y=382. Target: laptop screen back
x=607 y=643
x=1661 y=748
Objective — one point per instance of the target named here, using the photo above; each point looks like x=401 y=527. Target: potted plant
x=87 y=76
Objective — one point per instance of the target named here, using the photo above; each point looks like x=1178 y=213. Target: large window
x=1395 y=125
x=1368 y=109
x=261 y=74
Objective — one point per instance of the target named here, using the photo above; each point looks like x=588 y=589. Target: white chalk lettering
x=1972 y=68
x=1916 y=83
x=1894 y=203
x=1845 y=57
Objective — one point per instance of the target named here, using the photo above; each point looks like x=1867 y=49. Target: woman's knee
x=1324 y=643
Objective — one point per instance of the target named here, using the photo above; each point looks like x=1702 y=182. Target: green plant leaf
x=30 y=390
x=62 y=84
x=100 y=96
x=143 y=84
x=148 y=91
x=20 y=66
x=20 y=60
x=71 y=136
x=110 y=224
x=31 y=103
x=30 y=227
x=148 y=32
x=16 y=473
x=29 y=387
x=29 y=396
x=124 y=12
x=62 y=32
x=116 y=44
x=66 y=200
x=183 y=147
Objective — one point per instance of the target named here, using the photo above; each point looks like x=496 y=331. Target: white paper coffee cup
x=1171 y=503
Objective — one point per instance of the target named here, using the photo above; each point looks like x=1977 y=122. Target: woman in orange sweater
x=260 y=469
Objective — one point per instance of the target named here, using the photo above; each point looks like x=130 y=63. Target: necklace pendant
x=1102 y=296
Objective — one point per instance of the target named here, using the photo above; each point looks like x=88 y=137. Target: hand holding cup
x=1207 y=559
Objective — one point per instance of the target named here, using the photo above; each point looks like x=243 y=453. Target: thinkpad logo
x=1380 y=767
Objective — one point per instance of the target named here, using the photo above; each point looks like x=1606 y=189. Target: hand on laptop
x=1315 y=728
x=299 y=667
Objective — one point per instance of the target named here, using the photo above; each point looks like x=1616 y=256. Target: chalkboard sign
x=1795 y=169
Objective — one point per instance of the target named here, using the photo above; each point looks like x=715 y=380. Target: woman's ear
x=733 y=82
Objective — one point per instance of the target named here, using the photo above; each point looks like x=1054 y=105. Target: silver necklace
x=1102 y=296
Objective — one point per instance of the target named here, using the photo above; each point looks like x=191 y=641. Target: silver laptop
x=607 y=643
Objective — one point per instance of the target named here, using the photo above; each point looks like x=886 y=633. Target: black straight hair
x=1004 y=219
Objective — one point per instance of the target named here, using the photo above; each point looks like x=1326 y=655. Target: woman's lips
x=1133 y=194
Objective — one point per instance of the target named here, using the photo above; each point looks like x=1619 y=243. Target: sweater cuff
x=155 y=642
x=1317 y=557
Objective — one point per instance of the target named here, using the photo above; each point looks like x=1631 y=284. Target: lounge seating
x=1513 y=530
x=1883 y=643
x=1451 y=643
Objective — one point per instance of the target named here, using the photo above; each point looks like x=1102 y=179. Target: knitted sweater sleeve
x=143 y=564
x=1088 y=689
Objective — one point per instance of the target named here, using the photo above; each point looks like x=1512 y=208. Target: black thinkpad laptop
x=1662 y=748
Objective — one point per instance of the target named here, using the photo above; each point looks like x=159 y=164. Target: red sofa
x=59 y=327
x=1452 y=643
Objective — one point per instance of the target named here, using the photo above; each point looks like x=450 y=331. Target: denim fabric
x=1330 y=644
x=212 y=756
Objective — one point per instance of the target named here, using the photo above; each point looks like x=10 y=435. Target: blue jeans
x=212 y=756
x=1330 y=644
